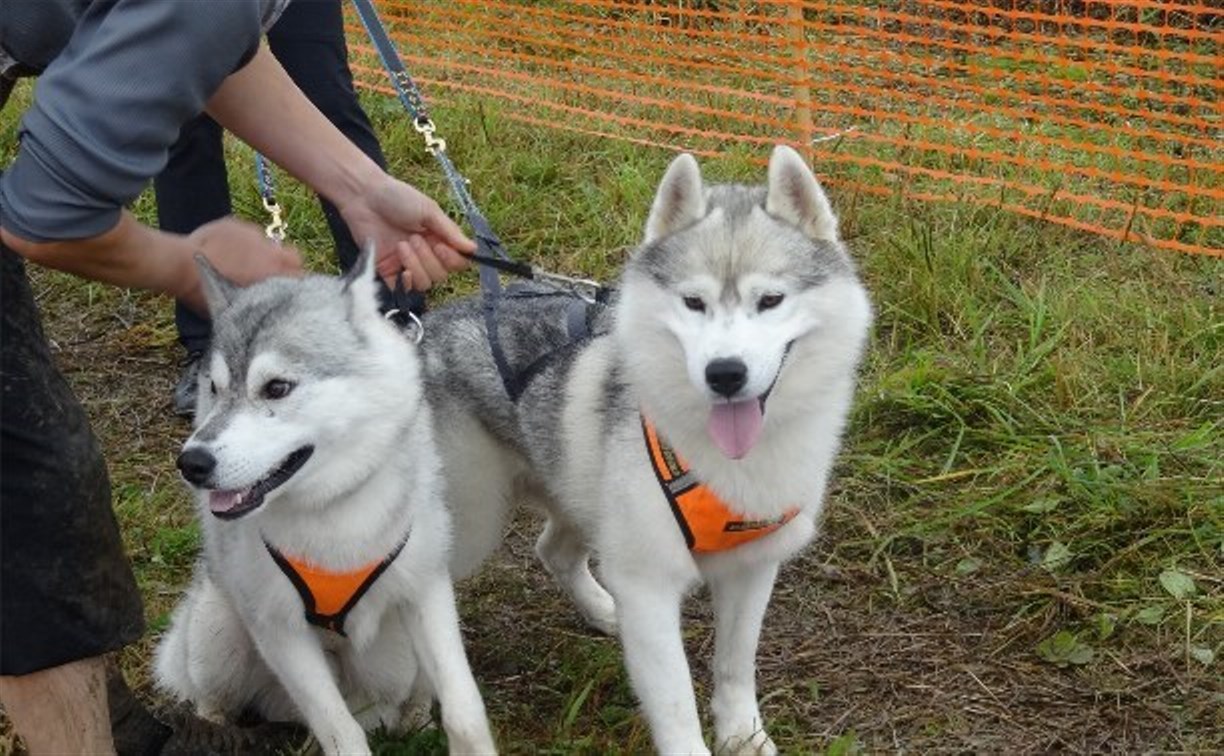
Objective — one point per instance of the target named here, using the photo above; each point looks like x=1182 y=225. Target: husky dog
x=687 y=437
x=324 y=594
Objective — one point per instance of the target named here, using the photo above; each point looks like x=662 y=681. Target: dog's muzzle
x=198 y=466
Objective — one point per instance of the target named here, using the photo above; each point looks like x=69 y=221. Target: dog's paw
x=603 y=619
x=416 y=714
x=212 y=712
x=472 y=738
x=757 y=743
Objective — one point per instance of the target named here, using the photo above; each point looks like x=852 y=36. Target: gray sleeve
x=108 y=108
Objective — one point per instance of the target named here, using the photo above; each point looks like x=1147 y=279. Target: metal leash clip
x=583 y=288
x=426 y=128
x=267 y=194
x=277 y=228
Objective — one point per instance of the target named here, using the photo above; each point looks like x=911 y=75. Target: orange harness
x=706 y=521
x=330 y=596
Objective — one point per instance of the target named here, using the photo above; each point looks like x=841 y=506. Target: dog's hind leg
x=566 y=557
x=221 y=659
x=207 y=658
x=170 y=662
x=479 y=477
x=740 y=597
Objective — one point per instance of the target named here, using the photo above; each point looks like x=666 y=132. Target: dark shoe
x=194 y=736
x=135 y=730
x=188 y=385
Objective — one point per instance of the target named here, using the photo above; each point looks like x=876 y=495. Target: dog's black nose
x=196 y=464
x=727 y=376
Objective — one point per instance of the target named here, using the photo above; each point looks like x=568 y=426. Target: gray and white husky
x=687 y=438
x=324 y=591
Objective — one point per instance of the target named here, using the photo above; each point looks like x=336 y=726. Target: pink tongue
x=735 y=427
x=224 y=501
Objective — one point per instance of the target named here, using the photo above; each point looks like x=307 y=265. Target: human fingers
x=439 y=224
x=428 y=259
x=408 y=257
x=451 y=259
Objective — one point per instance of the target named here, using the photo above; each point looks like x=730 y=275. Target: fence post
x=802 y=91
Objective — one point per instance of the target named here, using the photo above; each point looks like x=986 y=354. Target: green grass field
x=1025 y=537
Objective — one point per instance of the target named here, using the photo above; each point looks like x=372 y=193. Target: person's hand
x=410 y=232
x=241 y=252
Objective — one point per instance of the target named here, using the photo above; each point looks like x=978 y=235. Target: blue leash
x=267 y=192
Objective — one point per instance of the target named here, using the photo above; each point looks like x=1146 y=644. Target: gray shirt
x=118 y=86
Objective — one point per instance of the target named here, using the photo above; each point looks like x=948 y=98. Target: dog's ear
x=360 y=280
x=218 y=290
x=680 y=200
x=794 y=195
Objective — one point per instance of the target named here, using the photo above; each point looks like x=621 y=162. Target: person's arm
x=132 y=254
x=262 y=106
x=104 y=114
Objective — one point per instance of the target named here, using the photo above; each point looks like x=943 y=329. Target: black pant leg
x=309 y=42
x=66 y=587
x=193 y=189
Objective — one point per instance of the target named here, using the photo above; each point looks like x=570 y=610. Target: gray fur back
x=533 y=326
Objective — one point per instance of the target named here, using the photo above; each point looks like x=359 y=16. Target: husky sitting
x=687 y=436
x=324 y=590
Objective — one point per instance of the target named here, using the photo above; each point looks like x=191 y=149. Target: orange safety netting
x=1102 y=115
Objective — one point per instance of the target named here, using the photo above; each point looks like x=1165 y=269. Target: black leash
x=490 y=254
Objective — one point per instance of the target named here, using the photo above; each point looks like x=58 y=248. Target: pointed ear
x=794 y=195
x=218 y=290
x=679 y=201
x=359 y=280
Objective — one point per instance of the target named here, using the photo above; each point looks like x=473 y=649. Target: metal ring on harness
x=397 y=315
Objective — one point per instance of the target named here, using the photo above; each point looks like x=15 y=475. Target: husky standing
x=324 y=587
x=687 y=436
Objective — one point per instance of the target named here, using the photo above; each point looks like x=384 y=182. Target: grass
x=1024 y=541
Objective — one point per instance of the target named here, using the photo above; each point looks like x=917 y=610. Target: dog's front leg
x=740 y=597
x=297 y=660
x=434 y=623
x=648 y=612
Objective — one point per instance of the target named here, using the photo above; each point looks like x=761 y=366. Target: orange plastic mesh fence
x=1102 y=115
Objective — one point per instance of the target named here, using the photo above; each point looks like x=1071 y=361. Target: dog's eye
x=277 y=389
x=768 y=302
x=695 y=304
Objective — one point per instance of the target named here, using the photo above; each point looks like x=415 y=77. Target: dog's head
x=730 y=289
x=305 y=390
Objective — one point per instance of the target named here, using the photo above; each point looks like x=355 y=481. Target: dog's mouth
x=735 y=426
x=230 y=505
